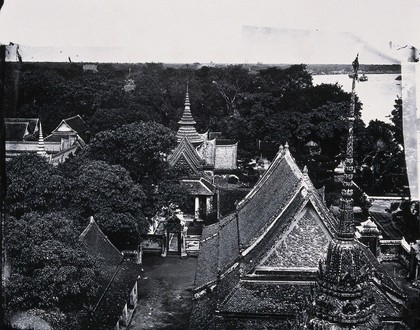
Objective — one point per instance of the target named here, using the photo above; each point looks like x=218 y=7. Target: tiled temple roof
x=249 y=273
x=79 y=125
x=198 y=187
x=265 y=298
x=206 y=272
x=17 y=128
x=99 y=245
x=278 y=198
x=117 y=277
x=76 y=125
x=186 y=153
x=283 y=182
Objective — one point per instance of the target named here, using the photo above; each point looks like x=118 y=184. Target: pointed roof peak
x=41 y=145
x=187 y=118
x=187 y=99
x=187 y=124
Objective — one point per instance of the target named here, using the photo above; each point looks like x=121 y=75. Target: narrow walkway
x=384 y=219
x=165 y=293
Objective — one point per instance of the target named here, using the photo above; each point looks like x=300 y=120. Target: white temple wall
x=226 y=157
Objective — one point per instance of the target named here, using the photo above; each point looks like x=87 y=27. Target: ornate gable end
x=301 y=245
x=184 y=166
x=64 y=127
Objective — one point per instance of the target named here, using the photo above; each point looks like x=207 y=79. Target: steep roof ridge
x=319 y=206
x=223 y=224
x=187 y=149
x=270 y=224
x=324 y=213
x=205 y=182
x=93 y=223
x=197 y=274
x=63 y=121
x=74 y=117
x=274 y=165
x=284 y=161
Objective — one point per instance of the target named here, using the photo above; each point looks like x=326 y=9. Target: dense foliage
x=271 y=104
x=122 y=178
x=47 y=208
x=49 y=267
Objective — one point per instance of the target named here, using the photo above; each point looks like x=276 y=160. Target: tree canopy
x=50 y=269
x=139 y=147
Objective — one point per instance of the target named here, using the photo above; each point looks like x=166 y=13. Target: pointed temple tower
x=343 y=297
x=258 y=266
x=41 y=145
x=187 y=125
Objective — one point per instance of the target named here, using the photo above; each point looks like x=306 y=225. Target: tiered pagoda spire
x=41 y=144
x=187 y=124
x=342 y=296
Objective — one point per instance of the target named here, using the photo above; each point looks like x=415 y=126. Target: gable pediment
x=184 y=164
x=64 y=127
x=301 y=244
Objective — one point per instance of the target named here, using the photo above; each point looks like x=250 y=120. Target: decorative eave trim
x=271 y=225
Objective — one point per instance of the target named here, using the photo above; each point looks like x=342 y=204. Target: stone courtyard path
x=165 y=293
x=384 y=219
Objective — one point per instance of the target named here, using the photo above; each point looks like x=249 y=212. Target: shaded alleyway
x=165 y=297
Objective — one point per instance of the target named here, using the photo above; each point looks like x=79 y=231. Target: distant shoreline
x=314 y=69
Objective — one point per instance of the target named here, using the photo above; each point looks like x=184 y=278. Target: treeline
x=272 y=104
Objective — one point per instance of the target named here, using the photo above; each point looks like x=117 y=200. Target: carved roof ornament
x=342 y=296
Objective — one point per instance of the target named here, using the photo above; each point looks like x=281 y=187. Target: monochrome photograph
x=210 y=164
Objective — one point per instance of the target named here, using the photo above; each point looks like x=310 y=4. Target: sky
x=229 y=31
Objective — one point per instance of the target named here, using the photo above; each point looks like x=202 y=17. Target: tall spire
x=346 y=216
x=41 y=145
x=342 y=296
x=187 y=124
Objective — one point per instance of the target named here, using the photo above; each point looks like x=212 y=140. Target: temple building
x=283 y=261
x=69 y=136
x=248 y=273
x=118 y=282
x=21 y=136
x=24 y=135
x=213 y=150
x=350 y=291
x=197 y=157
x=258 y=266
x=196 y=177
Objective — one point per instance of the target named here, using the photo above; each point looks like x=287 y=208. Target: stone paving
x=165 y=293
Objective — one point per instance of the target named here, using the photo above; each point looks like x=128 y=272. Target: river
x=378 y=94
